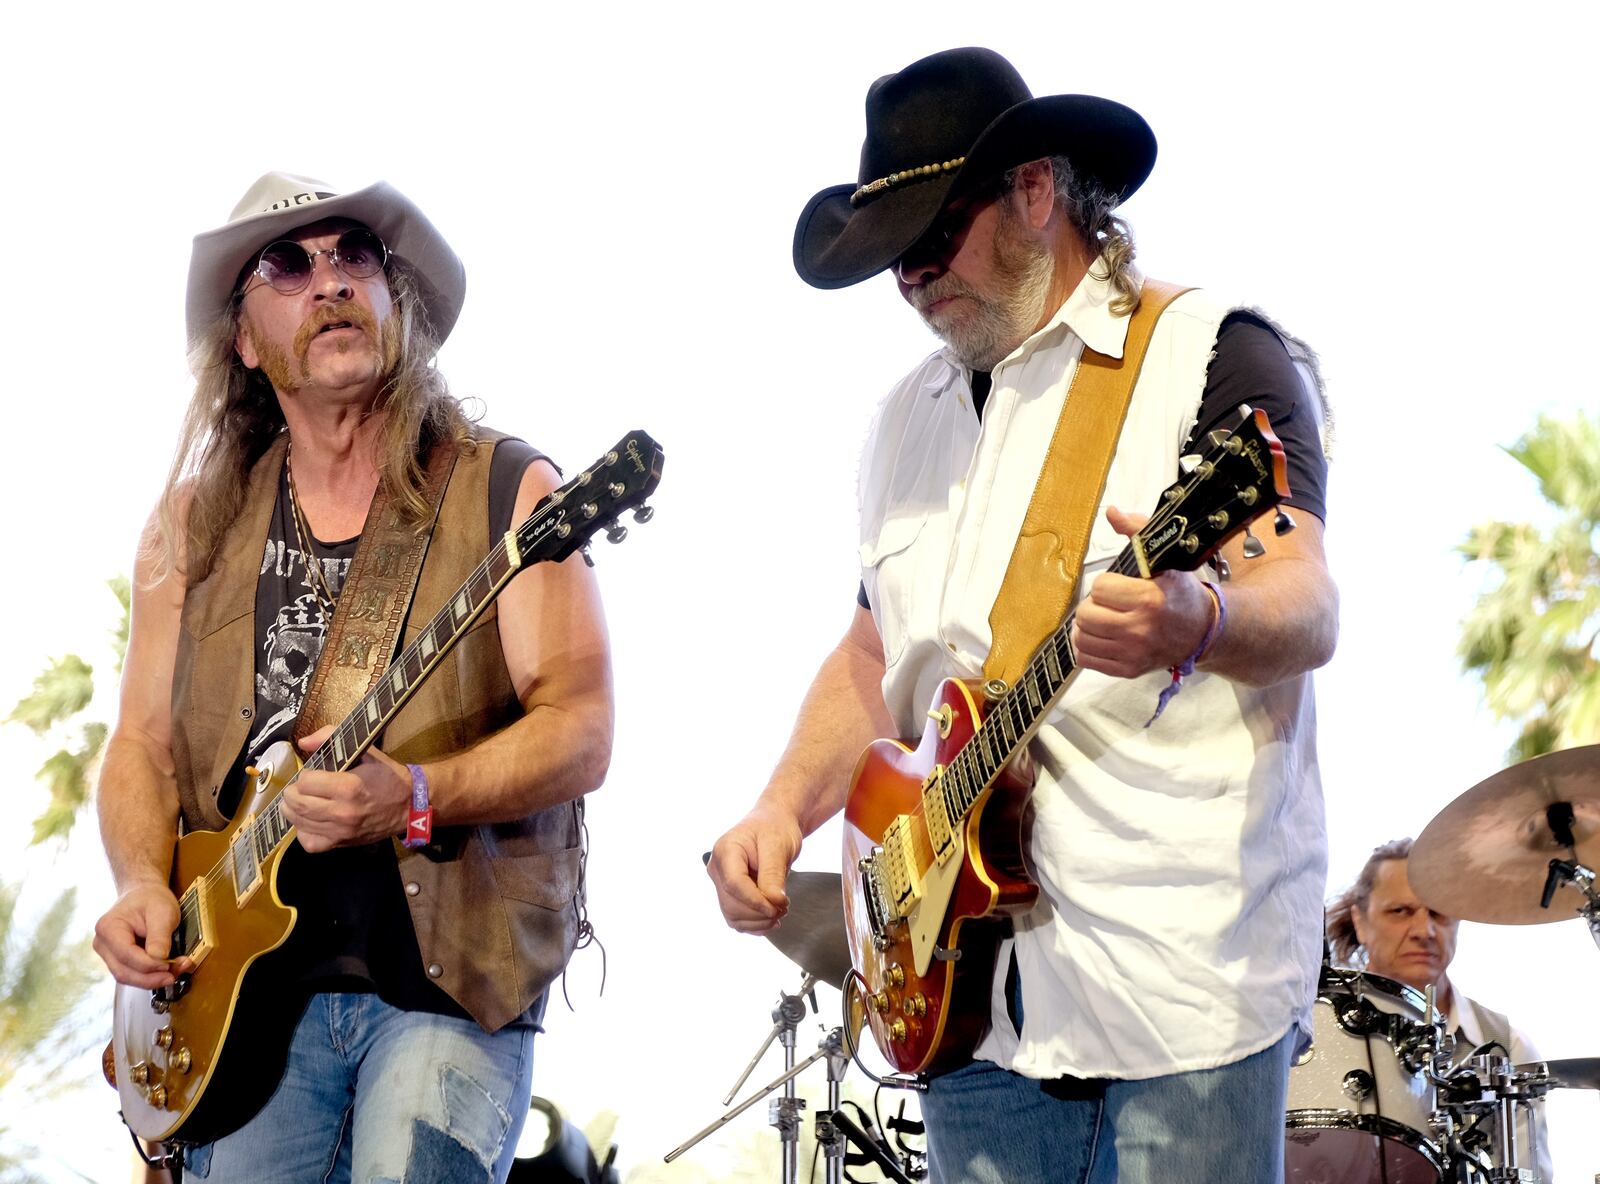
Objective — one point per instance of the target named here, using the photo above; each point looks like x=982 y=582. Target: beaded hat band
x=883 y=184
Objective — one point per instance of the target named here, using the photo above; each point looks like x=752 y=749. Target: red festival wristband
x=419 y=823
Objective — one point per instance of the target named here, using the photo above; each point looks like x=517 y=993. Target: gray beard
x=994 y=326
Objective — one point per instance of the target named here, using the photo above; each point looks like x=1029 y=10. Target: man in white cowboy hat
x=1139 y=1024
x=407 y=995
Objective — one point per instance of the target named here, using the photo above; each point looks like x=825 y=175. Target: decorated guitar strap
x=1048 y=559
x=376 y=595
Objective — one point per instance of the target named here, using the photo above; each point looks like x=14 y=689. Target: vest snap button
x=245 y=713
x=435 y=970
x=412 y=888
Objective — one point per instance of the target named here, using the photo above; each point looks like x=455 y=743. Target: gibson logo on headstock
x=1252 y=449
x=635 y=457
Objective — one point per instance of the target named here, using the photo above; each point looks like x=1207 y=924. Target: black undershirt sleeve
x=1251 y=366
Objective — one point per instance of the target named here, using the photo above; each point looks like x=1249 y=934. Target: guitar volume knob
x=163 y=1038
x=880 y=1002
x=139 y=1074
x=182 y=1061
x=156 y=1095
x=896 y=975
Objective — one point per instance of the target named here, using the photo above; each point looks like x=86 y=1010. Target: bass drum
x=1357 y=1114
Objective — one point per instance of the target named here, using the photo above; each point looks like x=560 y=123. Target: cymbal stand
x=830 y=1136
x=784 y=1112
x=1570 y=871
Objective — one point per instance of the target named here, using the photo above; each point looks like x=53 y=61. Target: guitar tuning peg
x=1188 y=464
x=1282 y=524
x=1217 y=438
x=588 y=559
x=1223 y=570
x=616 y=532
x=1254 y=548
x=644 y=513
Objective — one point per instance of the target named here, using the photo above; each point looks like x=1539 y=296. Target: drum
x=1357 y=1113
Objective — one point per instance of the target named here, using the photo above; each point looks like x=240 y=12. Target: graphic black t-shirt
x=354 y=930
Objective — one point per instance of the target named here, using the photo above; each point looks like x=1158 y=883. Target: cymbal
x=1577 y=1072
x=1485 y=856
x=812 y=931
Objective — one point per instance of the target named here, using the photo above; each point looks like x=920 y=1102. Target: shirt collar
x=1086 y=312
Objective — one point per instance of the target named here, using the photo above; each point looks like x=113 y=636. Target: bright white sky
x=1404 y=185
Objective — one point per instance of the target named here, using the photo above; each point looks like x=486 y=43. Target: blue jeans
x=987 y=1125
x=373 y=1093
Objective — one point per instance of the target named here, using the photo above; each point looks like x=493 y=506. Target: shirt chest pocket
x=889 y=574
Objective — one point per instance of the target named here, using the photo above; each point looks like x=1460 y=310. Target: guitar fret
x=498 y=565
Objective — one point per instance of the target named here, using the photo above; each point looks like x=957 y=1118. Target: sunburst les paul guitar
x=193 y=1061
x=934 y=835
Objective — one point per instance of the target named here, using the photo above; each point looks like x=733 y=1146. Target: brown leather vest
x=497 y=918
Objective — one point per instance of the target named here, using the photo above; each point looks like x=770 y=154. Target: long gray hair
x=234 y=417
x=1342 y=939
x=1088 y=208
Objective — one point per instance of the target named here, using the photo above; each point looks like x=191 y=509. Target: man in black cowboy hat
x=325 y=464
x=1141 y=1019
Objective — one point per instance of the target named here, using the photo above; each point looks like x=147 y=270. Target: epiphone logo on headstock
x=1164 y=537
x=635 y=457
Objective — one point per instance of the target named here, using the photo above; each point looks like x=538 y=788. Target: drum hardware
x=1567 y=871
x=833 y=1128
x=1488 y=1088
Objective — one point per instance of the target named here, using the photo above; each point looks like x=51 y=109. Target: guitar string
x=221 y=868
x=251 y=830
x=959 y=771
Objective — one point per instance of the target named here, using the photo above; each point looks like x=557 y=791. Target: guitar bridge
x=879 y=909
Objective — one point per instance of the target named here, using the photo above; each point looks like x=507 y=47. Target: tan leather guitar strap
x=1048 y=558
x=376 y=594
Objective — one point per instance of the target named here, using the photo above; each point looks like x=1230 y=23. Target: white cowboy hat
x=279 y=202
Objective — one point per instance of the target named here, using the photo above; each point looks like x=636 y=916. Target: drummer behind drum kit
x=1386 y=1095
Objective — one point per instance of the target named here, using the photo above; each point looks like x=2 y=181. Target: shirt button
x=435 y=970
x=412 y=888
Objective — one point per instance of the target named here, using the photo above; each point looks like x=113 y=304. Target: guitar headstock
x=1242 y=476
x=567 y=518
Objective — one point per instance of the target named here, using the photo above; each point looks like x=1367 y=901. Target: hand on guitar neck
x=1127 y=626
x=369 y=802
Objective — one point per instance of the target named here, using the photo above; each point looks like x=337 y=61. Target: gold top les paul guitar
x=933 y=836
x=188 y=1064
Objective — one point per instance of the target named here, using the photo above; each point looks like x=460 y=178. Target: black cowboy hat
x=939 y=129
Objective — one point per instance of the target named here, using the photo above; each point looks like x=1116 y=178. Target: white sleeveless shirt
x=1181 y=867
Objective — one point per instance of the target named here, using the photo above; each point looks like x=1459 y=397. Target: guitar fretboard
x=270 y=829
